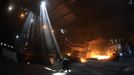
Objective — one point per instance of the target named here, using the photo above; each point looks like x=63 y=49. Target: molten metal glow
x=83 y=60
x=99 y=56
x=102 y=57
x=99 y=49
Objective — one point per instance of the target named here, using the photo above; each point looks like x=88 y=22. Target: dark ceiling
x=82 y=19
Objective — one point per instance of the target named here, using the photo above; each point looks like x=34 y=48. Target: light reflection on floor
x=60 y=73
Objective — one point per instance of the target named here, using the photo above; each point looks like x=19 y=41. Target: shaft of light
x=44 y=10
x=53 y=36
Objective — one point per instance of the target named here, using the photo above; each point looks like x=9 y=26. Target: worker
x=65 y=65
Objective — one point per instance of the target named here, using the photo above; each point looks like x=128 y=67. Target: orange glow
x=83 y=60
x=68 y=54
x=99 y=49
x=101 y=57
x=22 y=15
x=98 y=55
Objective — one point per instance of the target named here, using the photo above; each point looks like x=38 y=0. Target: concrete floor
x=93 y=67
